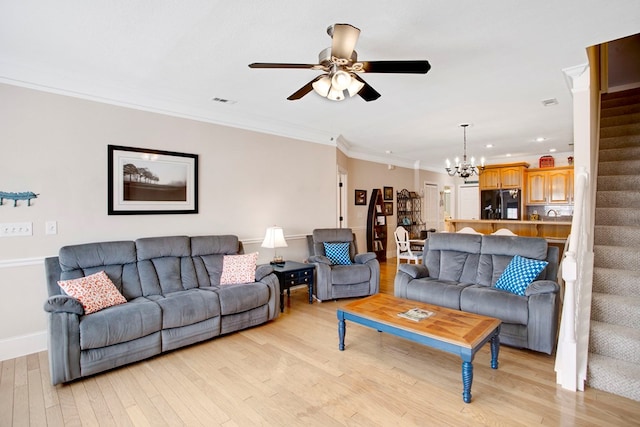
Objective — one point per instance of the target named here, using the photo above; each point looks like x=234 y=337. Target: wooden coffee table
x=448 y=330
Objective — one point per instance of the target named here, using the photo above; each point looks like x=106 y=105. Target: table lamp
x=274 y=238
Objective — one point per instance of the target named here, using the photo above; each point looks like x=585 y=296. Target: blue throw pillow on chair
x=338 y=253
x=519 y=274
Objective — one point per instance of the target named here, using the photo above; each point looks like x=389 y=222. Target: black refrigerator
x=500 y=204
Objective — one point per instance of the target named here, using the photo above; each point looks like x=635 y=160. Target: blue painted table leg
x=467 y=379
x=341 y=330
x=495 y=349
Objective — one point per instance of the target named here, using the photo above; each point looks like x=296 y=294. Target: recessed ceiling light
x=388 y=151
x=508 y=154
x=489 y=146
x=552 y=150
x=540 y=139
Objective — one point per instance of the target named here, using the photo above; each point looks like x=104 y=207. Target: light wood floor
x=290 y=372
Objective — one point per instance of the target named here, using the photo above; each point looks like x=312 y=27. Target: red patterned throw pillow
x=94 y=292
x=239 y=269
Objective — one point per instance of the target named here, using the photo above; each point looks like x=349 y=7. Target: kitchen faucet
x=555 y=213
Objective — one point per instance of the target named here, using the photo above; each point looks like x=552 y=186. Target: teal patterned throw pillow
x=519 y=274
x=338 y=253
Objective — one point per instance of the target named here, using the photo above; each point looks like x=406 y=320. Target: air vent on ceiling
x=223 y=101
x=549 y=102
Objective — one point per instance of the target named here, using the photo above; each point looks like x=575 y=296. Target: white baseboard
x=11 y=348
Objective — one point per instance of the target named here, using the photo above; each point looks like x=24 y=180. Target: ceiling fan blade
x=367 y=92
x=303 y=90
x=410 y=67
x=344 y=39
x=277 y=65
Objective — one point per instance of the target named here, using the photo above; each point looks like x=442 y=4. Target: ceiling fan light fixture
x=341 y=80
x=322 y=86
x=335 y=95
x=355 y=86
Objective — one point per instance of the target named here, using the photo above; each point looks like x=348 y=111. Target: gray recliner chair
x=359 y=278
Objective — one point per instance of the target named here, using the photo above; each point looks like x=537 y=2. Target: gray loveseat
x=174 y=298
x=459 y=271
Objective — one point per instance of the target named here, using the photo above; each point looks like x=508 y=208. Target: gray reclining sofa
x=460 y=271
x=174 y=298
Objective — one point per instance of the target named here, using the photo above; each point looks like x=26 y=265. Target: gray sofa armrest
x=542 y=287
x=364 y=257
x=416 y=271
x=271 y=280
x=64 y=351
x=407 y=273
x=63 y=304
x=262 y=271
x=321 y=259
x=542 y=326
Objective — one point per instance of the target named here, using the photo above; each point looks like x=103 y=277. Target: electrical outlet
x=51 y=227
x=15 y=229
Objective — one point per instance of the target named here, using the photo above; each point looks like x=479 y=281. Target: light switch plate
x=51 y=227
x=16 y=229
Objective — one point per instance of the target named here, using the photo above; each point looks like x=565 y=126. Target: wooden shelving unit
x=377 y=226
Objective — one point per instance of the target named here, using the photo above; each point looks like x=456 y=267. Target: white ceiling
x=493 y=62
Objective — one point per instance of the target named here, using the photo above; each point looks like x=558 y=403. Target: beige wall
x=56 y=146
x=366 y=175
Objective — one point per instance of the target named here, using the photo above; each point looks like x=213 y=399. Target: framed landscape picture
x=388 y=193
x=145 y=181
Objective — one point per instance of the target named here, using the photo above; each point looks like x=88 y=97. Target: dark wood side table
x=291 y=274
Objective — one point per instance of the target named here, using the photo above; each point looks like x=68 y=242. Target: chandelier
x=465 y=169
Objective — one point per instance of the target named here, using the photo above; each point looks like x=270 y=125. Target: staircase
x=614 y=342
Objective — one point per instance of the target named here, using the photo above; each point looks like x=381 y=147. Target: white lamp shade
x=341 y=80
x=322 y=86
x=335 y=95
x=355 y=86
x=274 y=238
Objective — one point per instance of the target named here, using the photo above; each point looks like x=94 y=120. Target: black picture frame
x=388 y=208
x=145 y=181
x=361 y=197
x=387 y=193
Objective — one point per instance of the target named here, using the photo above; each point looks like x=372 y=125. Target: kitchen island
x=555 y=231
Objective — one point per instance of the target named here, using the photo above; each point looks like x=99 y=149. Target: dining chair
x=403 y=248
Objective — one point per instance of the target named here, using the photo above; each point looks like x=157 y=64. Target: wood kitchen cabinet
x=550 y=186
x=495 y=177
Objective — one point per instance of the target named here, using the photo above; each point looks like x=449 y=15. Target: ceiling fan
x=340 y=64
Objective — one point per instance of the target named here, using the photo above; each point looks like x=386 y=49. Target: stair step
x=612 y=199
x=619 y=141
x=619 y=257
x=622 y=119
x=615 y=341
x=620 y=111
x=621 y=130
x=619 y=167
x=611 y=235
x=616 y=282
x=624 y=153
x=618 y=182
x=618 y=216
x=615 y=309
x=614 y=376
x=630 y=96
